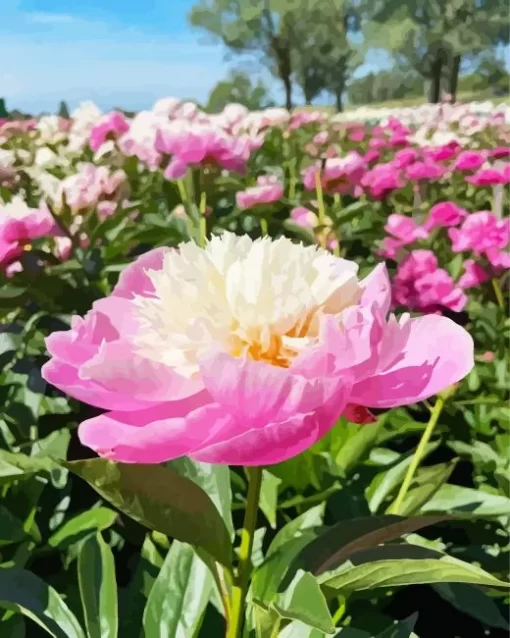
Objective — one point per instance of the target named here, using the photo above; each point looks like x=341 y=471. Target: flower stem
x=240 y=590
x=320 y=198
x=203 y=219
x=498 y=292
x=418 y=455
x=263 y=227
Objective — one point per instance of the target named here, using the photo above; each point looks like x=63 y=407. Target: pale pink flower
x=304 y=217
x=91 y=184
x=19 y=225
x=245 y=353
x=109 y=126
x=338 y=175
x=444 y=215
x=267 y=191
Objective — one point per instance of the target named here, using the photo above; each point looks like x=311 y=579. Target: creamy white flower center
x=259 y=299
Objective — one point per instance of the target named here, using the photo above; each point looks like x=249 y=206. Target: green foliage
x=238 y=89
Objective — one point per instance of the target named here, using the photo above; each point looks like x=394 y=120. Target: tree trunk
x=339 y=101
x=288 y=92
x=454 y=77
x=435 y=81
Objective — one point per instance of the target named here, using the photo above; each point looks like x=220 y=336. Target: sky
x=125 y=53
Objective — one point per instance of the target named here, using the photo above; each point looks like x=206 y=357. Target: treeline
x=317 y=46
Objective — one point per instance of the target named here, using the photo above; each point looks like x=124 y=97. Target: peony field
x=254 y=372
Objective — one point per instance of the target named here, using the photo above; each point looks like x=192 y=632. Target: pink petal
x=157 y=434
x=377 y=289
x=133 y=279
x=437 y=354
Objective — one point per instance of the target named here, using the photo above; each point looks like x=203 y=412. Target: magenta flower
x=339 y=174
x=474 y=275
x=404 y=230
x=444 y=215
x=267 y=191
x=405 y=157
x=442 y=153
x=245 y=352
x=470 y=160
x=500 y=152
x=485 y=235
x=427 y=171
x=420 y=285
x=109 y=126
x=19 y=225
x=381 y=180
x=489 y=177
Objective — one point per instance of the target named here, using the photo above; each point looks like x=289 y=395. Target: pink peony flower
x=245 y=352
x=484 y=234
x=489 y=177
x=405 y=157
x=428 y=171
x=381 y=180
x=470 y=160
x=304 y=217
x=267 y=191
x=339 y=174
x=404 y=230
x=19 y=225
x=500 y=152
x=85 y=189
x=474 y=275
x=442 y=153
x=443 y=215
x=109 y=126
x=420 y=285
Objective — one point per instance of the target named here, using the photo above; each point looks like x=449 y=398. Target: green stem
x=418 y=455
x=263 y=227
x=276 y=629
x=240 y=590
x=498 y=292
x=203 y=219
x=320 y=198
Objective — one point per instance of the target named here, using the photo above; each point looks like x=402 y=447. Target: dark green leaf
x=474 y=602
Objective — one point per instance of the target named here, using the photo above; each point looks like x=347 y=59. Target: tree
x=263 y=28
x=433 y=36
x=63 y=110
x=238 y=88
x=324 y=57
x=385 y=85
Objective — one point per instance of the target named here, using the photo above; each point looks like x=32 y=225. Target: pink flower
x=109 y=126
x=484 y=234
x=267 y=191
x=428 y=171
x=500 y=152
x=444 y=214
x=404 y=230
x=405 y=157
x=474 y=275
x=470 y=160
x=420 y=285
x=381 y=180
x=245 y=353
x=194 y=145
x=304 y=217
x=91 y=184
x=19 y=225
x=339 y=174
x=489 y=177
x=488 y=356
x=442 y=153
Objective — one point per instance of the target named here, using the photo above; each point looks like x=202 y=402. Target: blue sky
x=115 y=52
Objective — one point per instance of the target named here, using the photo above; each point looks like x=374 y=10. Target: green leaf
x=337 y=543
x=38 y=601
x=311 y=518
x=395 y=565
x=213 y=479
x=269 y=496
x=81 y=526
x=160 y=499
x=179 y=596
x=467 y=502
x=15 y=466
x=427 y=482
x=358 y=446
x=303 y=600
x=402 y=629
x=387 y=482
x=11 y=528
x=298 y=629
x=474 y=602
x=98 y=588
